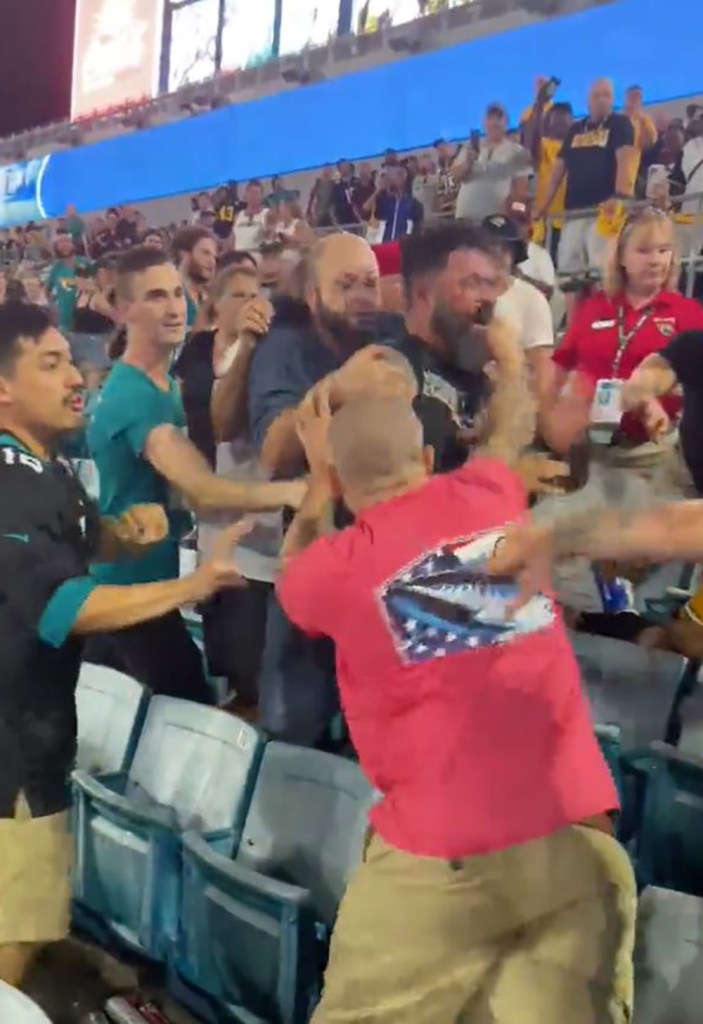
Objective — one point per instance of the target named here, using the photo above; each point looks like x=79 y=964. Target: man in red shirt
x=491 y=887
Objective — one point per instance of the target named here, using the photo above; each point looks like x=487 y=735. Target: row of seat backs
x=216 y=774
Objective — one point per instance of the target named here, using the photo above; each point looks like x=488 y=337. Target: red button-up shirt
x=591 y=343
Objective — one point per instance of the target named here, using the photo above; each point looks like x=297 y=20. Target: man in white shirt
x=250 y=224
x=691 y=235
x=522 y=304
x=491 y=170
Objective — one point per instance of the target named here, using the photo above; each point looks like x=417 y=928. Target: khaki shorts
x=541 y=933
x=35 y=877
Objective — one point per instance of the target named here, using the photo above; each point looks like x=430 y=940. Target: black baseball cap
x=506 y=233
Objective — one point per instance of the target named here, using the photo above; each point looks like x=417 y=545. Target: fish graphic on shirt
x=446 y=603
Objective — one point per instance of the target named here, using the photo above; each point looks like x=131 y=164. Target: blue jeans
x=297 y=690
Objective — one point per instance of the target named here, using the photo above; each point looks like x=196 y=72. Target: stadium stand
x=205 y=844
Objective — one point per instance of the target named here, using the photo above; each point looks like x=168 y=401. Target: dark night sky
x=36 y=51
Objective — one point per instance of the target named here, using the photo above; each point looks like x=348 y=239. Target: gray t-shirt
x=488 y=186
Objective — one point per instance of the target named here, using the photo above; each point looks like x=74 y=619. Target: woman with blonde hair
x=636 y=314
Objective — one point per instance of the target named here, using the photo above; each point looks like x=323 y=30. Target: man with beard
x=453 y=277
x=297 y=690
x=195 y=251
x=343 y=297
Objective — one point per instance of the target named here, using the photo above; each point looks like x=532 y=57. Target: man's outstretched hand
x=527 y=553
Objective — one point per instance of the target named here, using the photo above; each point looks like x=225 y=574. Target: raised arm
x=511 y=412
x=229 y=407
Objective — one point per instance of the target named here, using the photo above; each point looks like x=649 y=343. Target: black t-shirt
x=49 y=531
x=589 y=154
x=126 y=233
x=194 y=367
x=226 y=209
x=343 y=202
x=685 y=356
x=449 y=399
x=104 y=243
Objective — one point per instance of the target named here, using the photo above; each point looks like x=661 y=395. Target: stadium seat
x=608 y=737
x=111 y=708
x=194 y=769
x=669 y=843
x=668 y=958
x=254 y=930
x=690 y=714
x=630 y=687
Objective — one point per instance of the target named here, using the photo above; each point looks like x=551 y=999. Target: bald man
x=491 y=886
x=596 y=159
x=342 y=292
x=298 y=696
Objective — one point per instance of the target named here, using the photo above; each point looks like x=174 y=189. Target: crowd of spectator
x=391 y=339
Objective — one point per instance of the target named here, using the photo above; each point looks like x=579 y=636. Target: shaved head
x=343 y=288
x=340 y=250
x=601 y=98
x=375 y=443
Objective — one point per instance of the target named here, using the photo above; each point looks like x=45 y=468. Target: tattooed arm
x=665 y=533
x=660 y=534
x=511 y=411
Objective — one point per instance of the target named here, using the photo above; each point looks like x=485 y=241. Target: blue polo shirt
x=130 y=406
x=286 y=364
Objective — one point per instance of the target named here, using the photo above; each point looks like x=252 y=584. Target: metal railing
x=689 y=232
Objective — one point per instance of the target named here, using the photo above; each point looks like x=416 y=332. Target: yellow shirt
x=548 y=155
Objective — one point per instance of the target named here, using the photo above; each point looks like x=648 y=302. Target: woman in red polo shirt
x=636 y=314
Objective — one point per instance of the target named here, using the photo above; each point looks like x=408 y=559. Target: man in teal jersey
x=61 y=282
x=136 y=438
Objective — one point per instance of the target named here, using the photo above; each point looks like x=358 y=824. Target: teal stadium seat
x=608 y=737
x=630 y=687
x=254 y=930
x=193 y=769
x=111 y=708
x=669 y=842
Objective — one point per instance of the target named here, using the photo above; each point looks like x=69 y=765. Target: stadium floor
x=73 y=978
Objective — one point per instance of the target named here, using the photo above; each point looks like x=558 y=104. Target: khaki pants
x=35 y=879
x=541 y=933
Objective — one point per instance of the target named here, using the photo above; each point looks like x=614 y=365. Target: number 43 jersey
x=49 y=532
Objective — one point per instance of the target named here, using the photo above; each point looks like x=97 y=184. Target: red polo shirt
x=470 y=720
x=591 y=342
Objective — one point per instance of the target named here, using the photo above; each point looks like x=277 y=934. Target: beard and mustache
x=463 y=337
x=351 y=332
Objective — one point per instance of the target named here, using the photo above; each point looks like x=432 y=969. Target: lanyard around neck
x=625 y=337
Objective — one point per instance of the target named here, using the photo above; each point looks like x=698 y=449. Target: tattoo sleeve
x=511 y=416
x=659 y=534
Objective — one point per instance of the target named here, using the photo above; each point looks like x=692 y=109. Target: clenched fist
x=141 y=527
x=254 y=319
